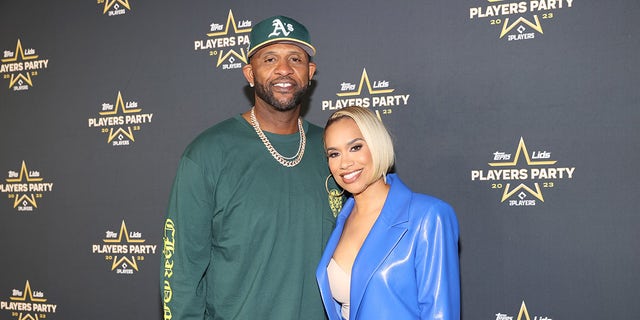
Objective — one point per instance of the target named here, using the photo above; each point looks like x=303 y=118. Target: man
x=249 y=212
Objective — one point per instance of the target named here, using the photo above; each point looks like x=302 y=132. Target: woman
x=393 y=253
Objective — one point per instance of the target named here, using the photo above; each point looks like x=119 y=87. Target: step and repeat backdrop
x=522 y=114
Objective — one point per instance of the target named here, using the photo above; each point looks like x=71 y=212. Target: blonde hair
x=375 y=135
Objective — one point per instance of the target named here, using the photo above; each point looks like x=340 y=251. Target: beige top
x=340 y=284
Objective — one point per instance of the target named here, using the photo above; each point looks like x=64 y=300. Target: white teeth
x=283 y=85
x=352 y=174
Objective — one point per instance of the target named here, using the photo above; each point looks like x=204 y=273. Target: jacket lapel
x=388 y=229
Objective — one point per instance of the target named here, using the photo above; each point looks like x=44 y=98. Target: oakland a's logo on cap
x=278 y=27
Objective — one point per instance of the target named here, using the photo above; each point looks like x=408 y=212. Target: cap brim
x=308 y=48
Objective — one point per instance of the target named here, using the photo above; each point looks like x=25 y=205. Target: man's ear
x=247 y=70
x=312 y=70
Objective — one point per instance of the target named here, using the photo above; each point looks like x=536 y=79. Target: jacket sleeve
x=186 y=244
x=437 y=266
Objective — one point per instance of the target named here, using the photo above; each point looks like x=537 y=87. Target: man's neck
x=274 y=121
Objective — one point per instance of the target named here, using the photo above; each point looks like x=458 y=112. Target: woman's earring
x=335 y=198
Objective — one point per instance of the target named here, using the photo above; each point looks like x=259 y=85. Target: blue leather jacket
x=407 y=267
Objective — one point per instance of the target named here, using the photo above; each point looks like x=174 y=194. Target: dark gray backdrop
x=570 y=93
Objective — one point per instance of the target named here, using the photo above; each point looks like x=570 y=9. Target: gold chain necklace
x=285 y=161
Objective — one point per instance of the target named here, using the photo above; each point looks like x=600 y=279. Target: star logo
x=24 y=187
x=124 y=250
x=120 y=120
x=123 y=261
x=120 y=131
x=228 y=42
x=536 y=167
x=19 y=56
x=522 y=149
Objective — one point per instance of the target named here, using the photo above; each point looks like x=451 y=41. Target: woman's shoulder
x=424 y=205
x=420 y=205
x=428 y=200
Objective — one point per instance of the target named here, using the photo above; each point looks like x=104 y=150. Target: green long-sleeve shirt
x=243 y=234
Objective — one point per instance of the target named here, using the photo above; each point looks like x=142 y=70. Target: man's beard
x=263 y=92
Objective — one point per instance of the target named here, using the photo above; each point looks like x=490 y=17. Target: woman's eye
x=357 y=147
x=332 y=154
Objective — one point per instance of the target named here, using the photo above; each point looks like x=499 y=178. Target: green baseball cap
x=279 y=29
